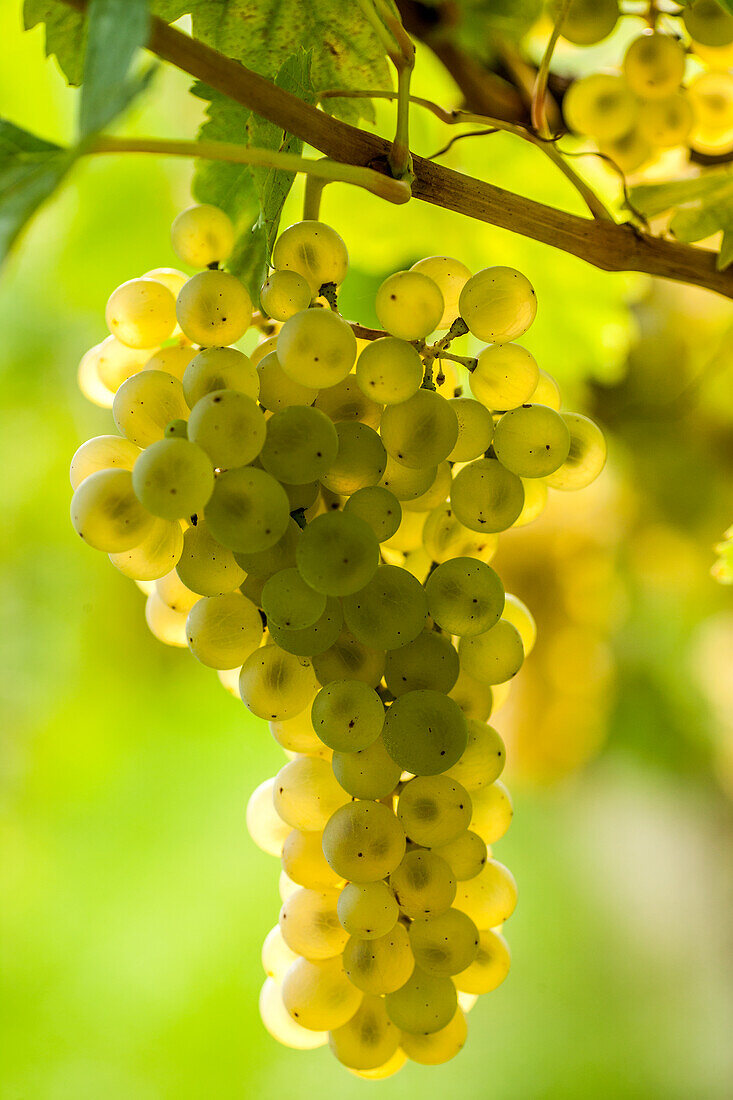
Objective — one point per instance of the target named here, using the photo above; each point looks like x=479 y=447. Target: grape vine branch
x=604 y=244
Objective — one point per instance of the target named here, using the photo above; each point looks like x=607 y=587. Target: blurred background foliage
x=134 y=904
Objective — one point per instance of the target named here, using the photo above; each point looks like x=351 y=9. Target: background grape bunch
x=315 y=521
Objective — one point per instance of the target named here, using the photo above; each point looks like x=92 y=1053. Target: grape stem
x=400 y=50
x=312 y=197
x=539 y=92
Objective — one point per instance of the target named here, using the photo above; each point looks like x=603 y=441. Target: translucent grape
x=483 y=759
x=654 y=65
x=465 y=596
x=492 y=812
x=229 y=426
x=106 y=513
x=173 y=478
x=167 y=625
x=425 y=732
x=306 y=795
x=490 y=967
x=104 y=452
x=429 y=662
x=667 y=122
x=173 y=360
x=281 y=555
x=89 y=382
x=337 y=554
x=589 y=21
x=311 y=640
x=506 y=376
x=318 y=995
x=423 y=884
x=378 y=507
x=310 y=926
x=297 y=735
x=219 y=369
x=711 y=94
x=315 y=251
x=602 y=105
x=368 y=1040
x=404 y=483
x=115 y=362
x=284 y=293
x=487 y=497
x=519 y=615
x=345 y=401
x=475 y=428
x=440 y=1046
x=172 y=591
x=498 y=304
x=708 y=23
x=628 y=152
x=303 y=861
x=466 y=855
x=360 y=462
x=205 y=566
x=363 y=841
x=223 y=630
x=450 y=276
x=389 y=611
x=445 y=537
x=532 y=441
x=141 y=313
x=347 y=715
x=494 y=656
x=248 y=510
x=421 y=431
x=277 y=390
x=586 y=457
x=473 y=697
x=146 y=403
x=389 y=370
x=490 y=898
x=316 y=348
x=276 y=685
x=289 y=602
x=202 y=235
x=446 y=944
x=369 y=773
x=155 y=556
x=547 y=392
x=301 y=445
x=214 y=309
x=535 y=501
x=409 y=305
x=408 y=535
x=424 y=1004
x=436 y=493
x=276 y=956
x=268 y=831
x=168 y=276
x=379 y=965
x=349 y=659
x=280 y=1024
x=433 y=810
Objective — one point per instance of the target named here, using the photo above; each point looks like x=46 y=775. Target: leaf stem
x=400 y=50
x=539 y=93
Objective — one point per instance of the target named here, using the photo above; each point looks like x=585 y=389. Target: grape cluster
x=315 y=521
x=657 y=101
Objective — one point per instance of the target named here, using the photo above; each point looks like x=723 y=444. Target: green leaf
x=30 y=171
x=229 y=186
x=65 y=34
x=700 y=207
x=116 y=30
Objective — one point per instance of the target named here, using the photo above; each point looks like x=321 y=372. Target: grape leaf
x=66 y=34
x=701 y=207
x=30 y=170
x=116 y=29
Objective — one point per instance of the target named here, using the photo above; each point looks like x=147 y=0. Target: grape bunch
x=315 y=521
x=674 y=89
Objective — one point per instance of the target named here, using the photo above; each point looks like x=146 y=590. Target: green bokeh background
x=133 y=902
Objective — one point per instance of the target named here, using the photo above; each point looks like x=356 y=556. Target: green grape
x=408 y=535
x=264 y=346
x=483 y=759
x=409 y=305
x=424 y=1004
x=434 y=810
x=301 y=445
x=492 y=812
x=446 y=944
x=173 y=478
x=302 y=496
x=106 y=513
x=219 y=369
x=289 y=602
x=369 y=773
x=425 y=732
x=547 y=392
x=276 y=955
x=223 y=630
x=267 y=830
x=146 y=403
x=506 y=376
x=601 y=105
x=378 y=507
x=498 y=304
x=367 y=910
x=284 y=293
x=347 y=715
x=531 y=441
x=368 y=1040
x=654 y=65
x=628 y=153
x=466 y=855
x=115 y=362
x=389 y=611
x=494 y=656
x=319 y=995
x=379 y=965
x=337 y=554
x=349 y=659
x=404 y=483
x=168 y=276
x=281 y=1025
x=173 y=360
x=176 y=429
x=588 y=21
x=315 y=251
x=707 y=23
x=438 y=1047
x=276 y=685
x=586 y=457
x=303 y=861
x=490 y=967
x=712 y=99
x=297 y=735
x=281 y=555
x=277 y=390
x=141 y=313
x=450 y=276
x=363 y=841
x=389 y=370
x=229 y=426
x=306 y=795
x=436 y=493
x=214 y=309
x=104 y=452
x=360 y=462
x=89 y=382
x=421 y=431
x=165 y=624
x=486 y=496
x=205 y=566
x=423 y=884
x=667 y=122
x=202 y=235
x=464 y=596
x=490 y=898
x=473 y=697
x=445 y=537
x=173 y=592
x=429 y=662
x=345 y=401
x=316 y=348
x=535 y=501
x=475 y=429
x=251 y=587
x=519 y=615
x=155 y=556
x=310 y=926
x=248 y=510
x=314 y=639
